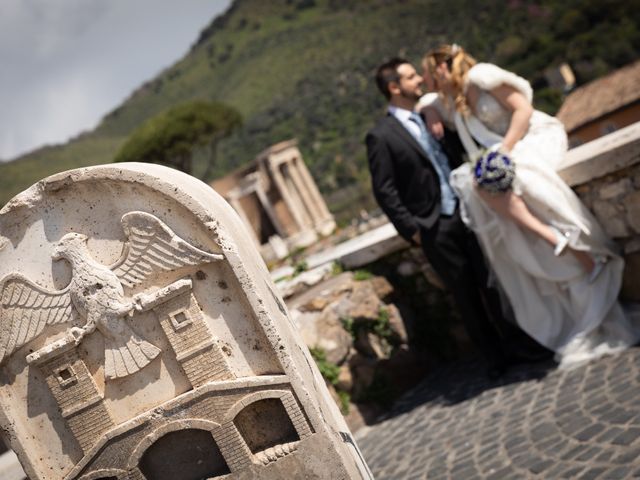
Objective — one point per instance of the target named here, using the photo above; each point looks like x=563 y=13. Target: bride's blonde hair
x=459 y=63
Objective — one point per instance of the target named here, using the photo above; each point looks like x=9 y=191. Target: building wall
x=224 y=184
x=257 y=217
x=605 y=124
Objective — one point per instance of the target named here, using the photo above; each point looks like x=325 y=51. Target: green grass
x=329 y=371
x=361 y=275
x=349 y=325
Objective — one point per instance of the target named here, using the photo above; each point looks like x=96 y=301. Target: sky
x=64 y=64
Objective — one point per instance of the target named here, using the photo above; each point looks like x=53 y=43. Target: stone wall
x=605 y=174
x=378 y=331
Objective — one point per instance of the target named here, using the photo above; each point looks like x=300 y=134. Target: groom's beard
x=414 y=96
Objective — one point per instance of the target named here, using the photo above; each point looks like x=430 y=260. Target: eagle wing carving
x=26 y=308
x=152 y=247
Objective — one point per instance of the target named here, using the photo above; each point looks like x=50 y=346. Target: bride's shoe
x=599 y=263
x=564 y=239
x=568 y=237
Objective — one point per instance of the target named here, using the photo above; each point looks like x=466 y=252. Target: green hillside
x=303 y=68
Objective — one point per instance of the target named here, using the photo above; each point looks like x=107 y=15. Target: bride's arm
x=521 y=110
x=434 y=121
x=429 y=106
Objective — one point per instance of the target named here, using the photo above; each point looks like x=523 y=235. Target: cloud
x=67 y=63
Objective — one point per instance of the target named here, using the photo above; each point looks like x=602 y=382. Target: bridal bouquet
x=494 y=171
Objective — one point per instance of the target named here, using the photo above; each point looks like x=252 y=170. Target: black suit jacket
x=404 y=181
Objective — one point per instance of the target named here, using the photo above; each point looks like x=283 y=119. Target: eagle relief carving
x=96 y=293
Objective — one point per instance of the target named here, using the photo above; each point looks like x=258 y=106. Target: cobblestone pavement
x=536 y=422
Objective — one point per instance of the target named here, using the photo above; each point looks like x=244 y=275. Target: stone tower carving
x=75 y=391
x=196 y=350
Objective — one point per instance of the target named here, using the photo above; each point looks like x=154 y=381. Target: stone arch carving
x=185 y=454
x=270 y=424
x=192 y=423
x=105 y=474
x=288 y=401
x=251 y=398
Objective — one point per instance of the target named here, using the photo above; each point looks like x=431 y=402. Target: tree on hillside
x=173 y=137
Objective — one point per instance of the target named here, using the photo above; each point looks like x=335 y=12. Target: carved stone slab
x=142 y=338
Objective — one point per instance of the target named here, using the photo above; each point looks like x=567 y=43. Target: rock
x=610 y=218
x=306 y=324
x=632 y=205
x=381 y=287
x=333 y=338
x=324 y=330
x=302 y=282
x=371 y=345
x=363 y=374
x=345 y=379
x=315 y=304
x=405 y=367
x=632 y=246
x=396 y=323
x=332 y=289
x=616 y=189
x=408 y=317
x=362 y=304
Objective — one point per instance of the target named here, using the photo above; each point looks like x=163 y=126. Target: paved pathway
x=536 y=422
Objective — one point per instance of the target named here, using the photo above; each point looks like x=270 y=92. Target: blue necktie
x=439 y=161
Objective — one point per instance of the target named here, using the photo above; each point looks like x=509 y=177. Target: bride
x=549 y=254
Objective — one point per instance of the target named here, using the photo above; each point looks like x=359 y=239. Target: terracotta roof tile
x=601 y=96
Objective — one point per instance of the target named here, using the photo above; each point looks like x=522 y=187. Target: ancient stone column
x=305 y=195
x=293 y=203
x=323 y=219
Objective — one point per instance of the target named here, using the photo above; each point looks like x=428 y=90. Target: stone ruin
x=142 y=338
x=278 y=200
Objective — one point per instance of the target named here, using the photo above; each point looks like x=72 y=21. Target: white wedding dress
x=552 y=298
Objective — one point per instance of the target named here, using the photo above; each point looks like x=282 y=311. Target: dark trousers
x=454 y=253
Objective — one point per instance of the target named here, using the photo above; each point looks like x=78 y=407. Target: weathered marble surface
x=140 y=332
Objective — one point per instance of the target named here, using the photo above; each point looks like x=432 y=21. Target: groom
x=410 y=177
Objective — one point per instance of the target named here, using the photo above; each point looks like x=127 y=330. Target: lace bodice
x=492 y=114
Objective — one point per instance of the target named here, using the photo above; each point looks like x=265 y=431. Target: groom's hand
x=416 y=238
